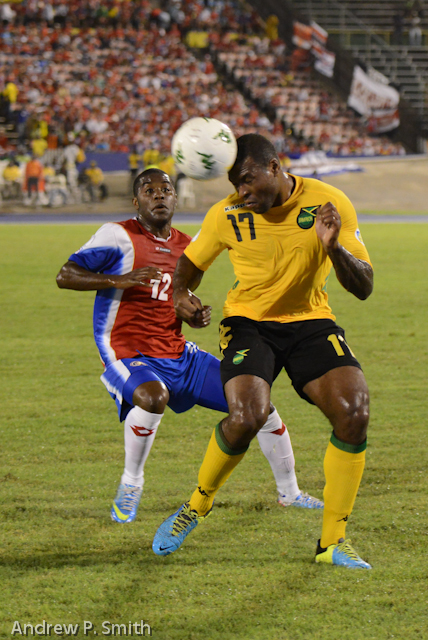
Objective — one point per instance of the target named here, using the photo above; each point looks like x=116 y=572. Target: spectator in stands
x=415 y=31
x=151 y=158
x=56 y=187
x=48 y=173
x=134 y=160
x=167 y=164
x=96 y=181
x=73 y=155
x=10 y=95
x=272 y=27
x=34 y=179
x=21 y=115
x=48 y=13
x=38 y=146
x=61 y=13
x=109 y=73
x=12 y=180
x=7 y=14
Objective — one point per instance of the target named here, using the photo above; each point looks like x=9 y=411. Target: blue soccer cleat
x=303 y=500
x=172 y=532
x=341 y=554
x=126 y=503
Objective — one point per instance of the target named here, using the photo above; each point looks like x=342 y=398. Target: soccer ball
x=204 y=148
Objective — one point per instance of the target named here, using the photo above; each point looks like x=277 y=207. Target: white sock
x=274 y=441
x=140 y=432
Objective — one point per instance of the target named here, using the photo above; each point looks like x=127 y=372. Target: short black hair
x=257 y=147
x=138 y=180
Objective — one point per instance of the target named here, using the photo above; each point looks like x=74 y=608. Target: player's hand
x=201 y=318
x=139 y=278
x=327 y=226
x=186 y=304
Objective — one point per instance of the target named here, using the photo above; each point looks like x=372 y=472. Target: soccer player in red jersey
x=148 y=364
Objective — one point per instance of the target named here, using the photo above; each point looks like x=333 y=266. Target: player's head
x=154 y=198
x=256 y=174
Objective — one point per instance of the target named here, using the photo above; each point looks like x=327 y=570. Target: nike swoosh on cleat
x=119 y=514
x=164 y=548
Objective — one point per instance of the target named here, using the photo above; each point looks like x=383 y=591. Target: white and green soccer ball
x=204 y=148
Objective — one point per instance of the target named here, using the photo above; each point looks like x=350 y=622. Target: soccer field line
x=179 y=218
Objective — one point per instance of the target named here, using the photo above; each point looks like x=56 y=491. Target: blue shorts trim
x=185 y=378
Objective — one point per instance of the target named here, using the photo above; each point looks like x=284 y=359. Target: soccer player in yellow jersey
x=283 y=234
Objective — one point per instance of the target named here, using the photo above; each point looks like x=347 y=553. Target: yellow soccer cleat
x=341 y=554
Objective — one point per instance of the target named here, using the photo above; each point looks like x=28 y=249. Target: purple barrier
x=107 y=161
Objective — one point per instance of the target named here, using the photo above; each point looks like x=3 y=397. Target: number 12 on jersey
x=159 y=292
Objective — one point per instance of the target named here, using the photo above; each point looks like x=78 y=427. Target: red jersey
x=140 y=319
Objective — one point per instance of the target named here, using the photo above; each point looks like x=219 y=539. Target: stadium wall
x=107 y=161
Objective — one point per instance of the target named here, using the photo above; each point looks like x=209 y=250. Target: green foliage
x=248 y=573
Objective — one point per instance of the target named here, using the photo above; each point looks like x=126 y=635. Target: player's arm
x=188 y=307
x=73 y=276
x=354 y=274
x=190 y=268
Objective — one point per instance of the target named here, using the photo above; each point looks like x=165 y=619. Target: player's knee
x=355 y=418
x=249 y=421
x=153 y=400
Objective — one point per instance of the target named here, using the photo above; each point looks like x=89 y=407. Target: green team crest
x=239 y=356
x=306 y=217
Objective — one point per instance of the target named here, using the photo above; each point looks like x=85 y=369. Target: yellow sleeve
x=350 y=235
x=206 y=245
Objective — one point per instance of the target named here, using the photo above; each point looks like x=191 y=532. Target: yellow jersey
x=134 y=161
x=11 y=174
x=11 y=92
x=150 y=157
x=281 y=268
x=39 y=146
x=96 y=176
x=167 y=164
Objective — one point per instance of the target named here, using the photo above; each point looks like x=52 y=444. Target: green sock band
x=223 y=445
x=349 y=448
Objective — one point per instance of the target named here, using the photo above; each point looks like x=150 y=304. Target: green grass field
x=248 y=573
x=398 y=212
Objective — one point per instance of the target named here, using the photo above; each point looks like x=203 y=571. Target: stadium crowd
x=141 y=86
x=311 y=116
x=115 y=75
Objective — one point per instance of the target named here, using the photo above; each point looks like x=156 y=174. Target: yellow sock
x=343 y=468
x=219 y=462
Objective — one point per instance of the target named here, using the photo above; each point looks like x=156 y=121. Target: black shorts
x=305 y=349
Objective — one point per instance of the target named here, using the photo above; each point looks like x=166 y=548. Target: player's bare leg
x=274 y=441
x=343 y=397
x=248 y=398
